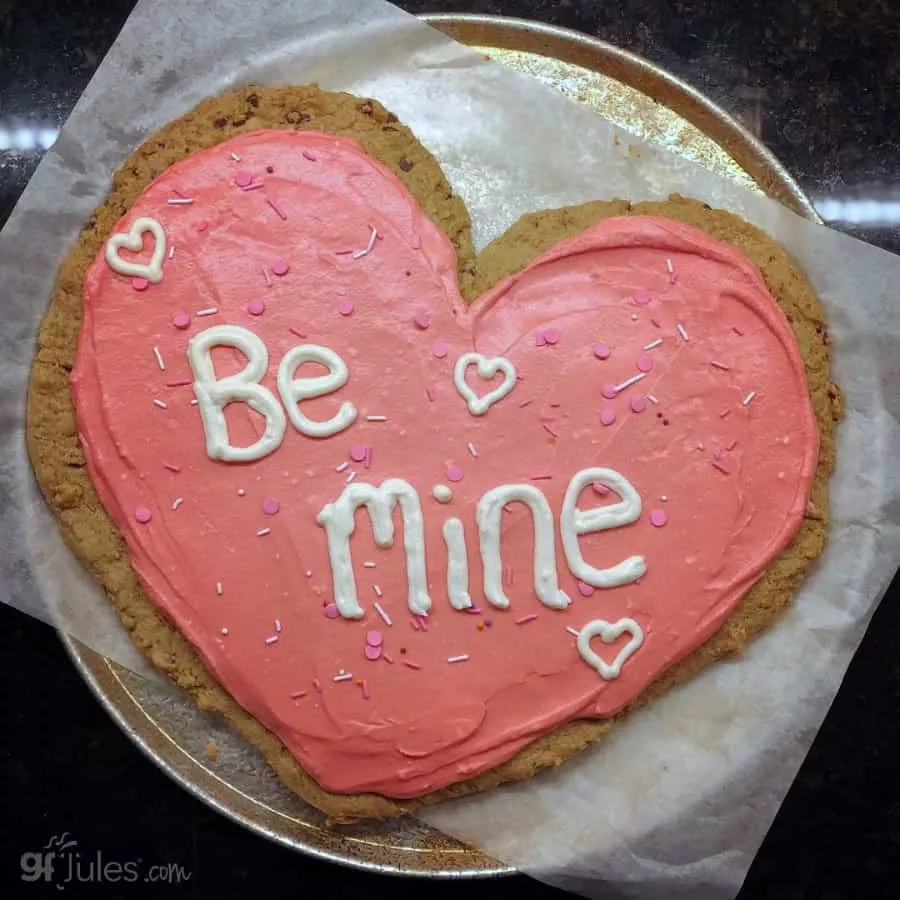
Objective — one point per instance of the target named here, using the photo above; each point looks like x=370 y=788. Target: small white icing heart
x=608 y=632
x=133 y=240
x=487 y=368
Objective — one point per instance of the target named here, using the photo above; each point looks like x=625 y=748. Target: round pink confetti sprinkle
x=609 y=391
x=140 y=284
x=280 y=266
x=642 y=298
x=658 y=518
x=600 y=489
x=374 y=638
x=439 y=349
x=585 y=589
x=372 y=653
x=638 y=404
x=181 y=321
x=202 y=225
x=256 y=307
x=243 y=178
x=143 y=515
x=358 y=452
x=602 y=351
x=607 y=417
x=271 y=506
x=540 y=339
x=552 y=336
x=454 y=473
x=345 y=307
x=331 y=611
x=644 y=363
x=422 y=320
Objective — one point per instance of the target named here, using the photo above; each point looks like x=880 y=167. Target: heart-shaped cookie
x=653 y=458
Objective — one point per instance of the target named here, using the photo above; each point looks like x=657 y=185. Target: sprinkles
x=572 y=631
x=618 y=388
x=378 y=592
x=719 y=365
x=472 y=449
x=219 y=592
x=748 y=398
x=410 y=664
x=179 y=201
x=381 y=612
x=681 y=331
x=344 y=465
x=524 y=620
x=161 y=404
x=278 y=212
x=376 y=418
x=159 y=360
x=171 y=467
x=455 y=659
x=653 y=344
x=177 y=502
x=296 y=695
x=263 y=532
x=273 y=639
x=346 y=676
x=209 y=311
x=372 y=236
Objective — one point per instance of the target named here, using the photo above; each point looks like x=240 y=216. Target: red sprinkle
x=365 y=690
x=731 y=446
x=414 y=624
x=725 y=413
x=317 y=684
x=737 y=330
x=600 y=489
x=541 y=477
x=277 y=211
x=310 y=156
x=387 y=658
x=296 y=695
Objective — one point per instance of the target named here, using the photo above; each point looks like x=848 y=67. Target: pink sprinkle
x=140 y=284
x=368 y=460
x=410 y=664
x=372 y=653
x=143 y=515
x=387 y=658
x=171 y=467
x=429 y=393
x=270 y=506
x=331 y=611
x=642 y=298
x=525 y=619
x=508 y=575
x=600 y=489
x=658 y=518
x=267 y=277
x=181 y=321
x=539 y=339
x=737 y=330
x=345 y=308
x=585 y=589
x=439 y=349
x=644 y=363
x=552 y=336
x=602 y=351
x=317 y=684
x=358 y=452
x=731 y=446
x=655 y=323
x=525 y=403
x=256 y=307
x=308 y=155
x=280 y=266
x=717 y=465
x=725 y=414
x=296 y=695
x=719 y=365
x=550 y=429
x=609 y=391
x=638 y=404
x=178 y=193
x=542 y=477
x=422 y=320
x=415 y=625
x=365 y=690
x=374 y=638
x=454 y=473
x=243 y=178
x=202 y=225
x=607 y=416
x=298 y=333
x=274 y=206
x=423 y=623
x=182 y=382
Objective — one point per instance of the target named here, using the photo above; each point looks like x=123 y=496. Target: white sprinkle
x=194 y=402
x=350 y=477
x=572 y=631
x=346 y=676
x=377 y=590
x=161 y=404
x=472 y=449
x=669 y=267
x=368 y=564
x=629 y=381
x=180 y=201
x=455 y=659
x=719 y=365
x=653 y=344
x=385 y=617
x=681 y=331
x=209 y=311
x=376 y=418
x=265 y=272
x=263 y=532
x=177 y=502
x=278 y=625
x=219 y=588
x=664 y=498
x=159 y=359
x=634 y=317
x=241 y=492
x=342 y=467
x=748 y=398
x=172 y=252
x=652 y=399
x=235 y=157
x=272 y=640
x=309 y=573
x=225 y=631
x=360 y=253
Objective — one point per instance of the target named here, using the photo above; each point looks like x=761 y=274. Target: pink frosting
x=417 y=727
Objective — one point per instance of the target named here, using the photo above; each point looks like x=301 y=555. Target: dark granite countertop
x=819 y=81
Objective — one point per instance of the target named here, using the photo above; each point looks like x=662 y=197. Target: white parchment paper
x=677 y=801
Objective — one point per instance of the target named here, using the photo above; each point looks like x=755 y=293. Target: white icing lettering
x=213 y=394
x=457 y=564
x=293 y=389
x=488 y=515
x=486 y=368
x=608 y=632
x=133 y=240
x=338 y=521
x=575 y=522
